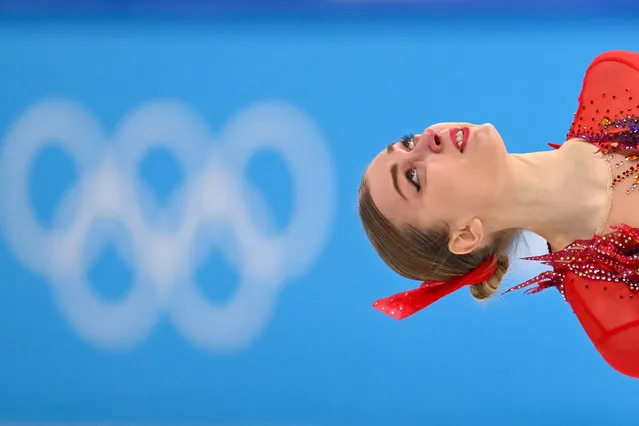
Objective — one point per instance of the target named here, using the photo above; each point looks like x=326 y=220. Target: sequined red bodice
x=599 y=278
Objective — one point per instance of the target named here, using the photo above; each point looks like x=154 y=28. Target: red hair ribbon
x=405 y=304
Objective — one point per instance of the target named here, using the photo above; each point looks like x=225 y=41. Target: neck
x=561 y=195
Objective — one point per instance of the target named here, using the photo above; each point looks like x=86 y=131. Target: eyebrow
x=393 y=170
x=390 y=148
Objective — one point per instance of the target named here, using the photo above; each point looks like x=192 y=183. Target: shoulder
x=608 y=105
x=621 y=56
x=609 y=314
x=599 y=278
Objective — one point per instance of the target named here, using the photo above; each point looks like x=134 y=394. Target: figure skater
x=445 y=206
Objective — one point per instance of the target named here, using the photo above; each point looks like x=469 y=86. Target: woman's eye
x=413 y=178
x=408 y=141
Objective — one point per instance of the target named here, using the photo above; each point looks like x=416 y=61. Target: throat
x=562 y=195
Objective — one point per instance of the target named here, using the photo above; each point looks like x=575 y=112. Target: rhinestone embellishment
x=610 y=258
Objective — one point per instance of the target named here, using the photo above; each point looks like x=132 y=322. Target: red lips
x=453 y=137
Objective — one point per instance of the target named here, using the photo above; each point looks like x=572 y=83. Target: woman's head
x=425 y=202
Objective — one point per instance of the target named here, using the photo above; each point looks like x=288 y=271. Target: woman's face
x=445 y=175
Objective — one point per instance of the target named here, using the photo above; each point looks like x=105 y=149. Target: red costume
x=599 y=278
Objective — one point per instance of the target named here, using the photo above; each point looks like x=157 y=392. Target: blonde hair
x=424 y=255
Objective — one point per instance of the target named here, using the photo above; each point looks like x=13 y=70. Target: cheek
x=445 y=191
x=456 y=187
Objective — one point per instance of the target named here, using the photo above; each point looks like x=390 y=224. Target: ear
x=467 y=238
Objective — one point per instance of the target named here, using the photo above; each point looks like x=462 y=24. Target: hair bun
x=486 y=289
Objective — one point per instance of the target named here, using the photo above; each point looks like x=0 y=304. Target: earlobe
x=466 y=239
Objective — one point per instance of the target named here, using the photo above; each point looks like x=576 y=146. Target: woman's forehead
x=379 y=182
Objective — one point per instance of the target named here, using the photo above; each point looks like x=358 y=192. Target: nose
x=433 y=140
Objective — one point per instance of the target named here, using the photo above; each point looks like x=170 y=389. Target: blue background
x=325 y=357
